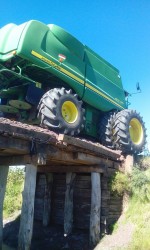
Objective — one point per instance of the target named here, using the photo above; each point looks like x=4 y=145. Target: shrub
x=119 y=183
x=137 y=183
x=143 y=162
x=140 y=184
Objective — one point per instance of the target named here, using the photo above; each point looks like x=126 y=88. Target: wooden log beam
x=52 y=154
x=27 y=213
x=39 y=159
x=3 y=181
x=16 y=138
x=17 y=160
x=47 y=199
x=68 y=209
x=16 y=146
x=13 y=145
x=95 y=208
x=26 y=132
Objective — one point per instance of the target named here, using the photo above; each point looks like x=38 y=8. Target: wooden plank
x=91 y=159
x=27 y=213
x=95 y=208
x=3 y=181
x=68 y=168
x=100 y=149
x=77 y=158
x=87 y=159
x=68 y=208
x=74 y=158
x=47 y=199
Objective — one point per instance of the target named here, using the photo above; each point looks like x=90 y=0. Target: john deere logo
x=62 y=58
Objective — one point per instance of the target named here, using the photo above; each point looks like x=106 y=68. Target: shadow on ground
x=51 y=237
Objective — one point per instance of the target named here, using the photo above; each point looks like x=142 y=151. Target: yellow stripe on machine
x=66 y=72
x=102 y=94
x=72 y=75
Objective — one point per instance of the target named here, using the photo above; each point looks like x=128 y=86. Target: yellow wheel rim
x=136 y=131
x=69 y=112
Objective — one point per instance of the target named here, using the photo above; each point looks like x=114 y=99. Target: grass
x=138 y=212
x=13 y=194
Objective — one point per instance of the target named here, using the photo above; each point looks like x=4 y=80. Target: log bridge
x=74 y=169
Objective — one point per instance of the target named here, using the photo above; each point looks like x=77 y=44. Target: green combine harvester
x=48 y=77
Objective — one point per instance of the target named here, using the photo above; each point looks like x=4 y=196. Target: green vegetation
x=119 y=183
x=13 y=195
x=139 y=209
x=139 y=213
x=138 y=186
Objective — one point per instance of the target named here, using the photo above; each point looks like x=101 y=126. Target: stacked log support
x=95 y=208
x=47 y=199
x=27 y=213
x=68 y=209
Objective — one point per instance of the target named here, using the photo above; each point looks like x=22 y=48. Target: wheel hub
x=136 y=131
x=69 y=112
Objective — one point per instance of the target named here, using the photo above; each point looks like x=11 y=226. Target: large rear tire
x=106 y=129
x=61 y=110
x=129 y=132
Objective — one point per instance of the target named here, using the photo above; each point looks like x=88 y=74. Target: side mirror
x=138 y=87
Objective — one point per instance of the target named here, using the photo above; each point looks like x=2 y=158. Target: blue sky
x=117 y=30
